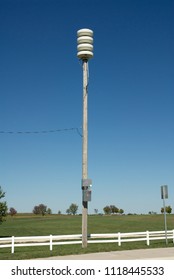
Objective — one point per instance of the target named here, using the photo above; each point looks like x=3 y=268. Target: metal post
x=85 y=150
x=164 y=194
x=165 y=220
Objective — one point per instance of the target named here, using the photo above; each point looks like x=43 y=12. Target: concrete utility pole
x=85 y=121
x=85 y=52
x=85 y=153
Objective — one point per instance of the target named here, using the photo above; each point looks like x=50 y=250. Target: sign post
x=164 y=195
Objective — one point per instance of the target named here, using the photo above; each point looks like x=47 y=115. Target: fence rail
x=50 y=240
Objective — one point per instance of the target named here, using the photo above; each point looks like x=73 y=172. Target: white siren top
x=85 y=43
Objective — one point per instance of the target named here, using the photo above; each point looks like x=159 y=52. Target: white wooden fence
x=92 y=238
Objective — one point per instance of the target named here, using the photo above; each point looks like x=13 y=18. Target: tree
x=3 y=206
x=43 y=209
x=72 y=209
x=96 y=211
x=114 y=209
x=168 y=209
x=49 y=211
x=107 y=210
x=68 y=211
x=40 y=209
x=36 y=210
x=12 y=211
x=121 y=211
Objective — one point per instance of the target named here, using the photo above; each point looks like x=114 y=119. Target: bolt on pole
x=85 y=52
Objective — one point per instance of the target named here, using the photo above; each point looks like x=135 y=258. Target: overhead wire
x=54 y=130
x=42 y=131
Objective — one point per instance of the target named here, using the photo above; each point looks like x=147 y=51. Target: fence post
x=51 y=242
x=147 y=238
x=119 y=239
x=12 y=244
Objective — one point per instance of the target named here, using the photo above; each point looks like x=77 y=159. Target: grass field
x=32 y=225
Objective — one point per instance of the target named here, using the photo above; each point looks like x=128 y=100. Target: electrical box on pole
x=86 y=190
x=86 y=195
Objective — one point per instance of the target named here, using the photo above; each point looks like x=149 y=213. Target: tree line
x=112 y=209
x=42 y=209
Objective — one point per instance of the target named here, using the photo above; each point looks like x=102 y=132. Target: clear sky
x=131 y=103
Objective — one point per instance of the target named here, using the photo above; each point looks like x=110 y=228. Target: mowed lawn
x=33 y=225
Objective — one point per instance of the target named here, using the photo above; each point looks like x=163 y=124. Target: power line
x=42 y=131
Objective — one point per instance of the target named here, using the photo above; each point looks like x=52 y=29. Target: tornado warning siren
x=85 y=52
x=84 y=44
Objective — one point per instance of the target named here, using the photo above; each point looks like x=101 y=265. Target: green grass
x=31 y=225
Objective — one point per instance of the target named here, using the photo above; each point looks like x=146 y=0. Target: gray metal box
x=86 y=182
x=86 y=195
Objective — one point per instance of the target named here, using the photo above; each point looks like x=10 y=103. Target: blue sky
x=131 y=100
